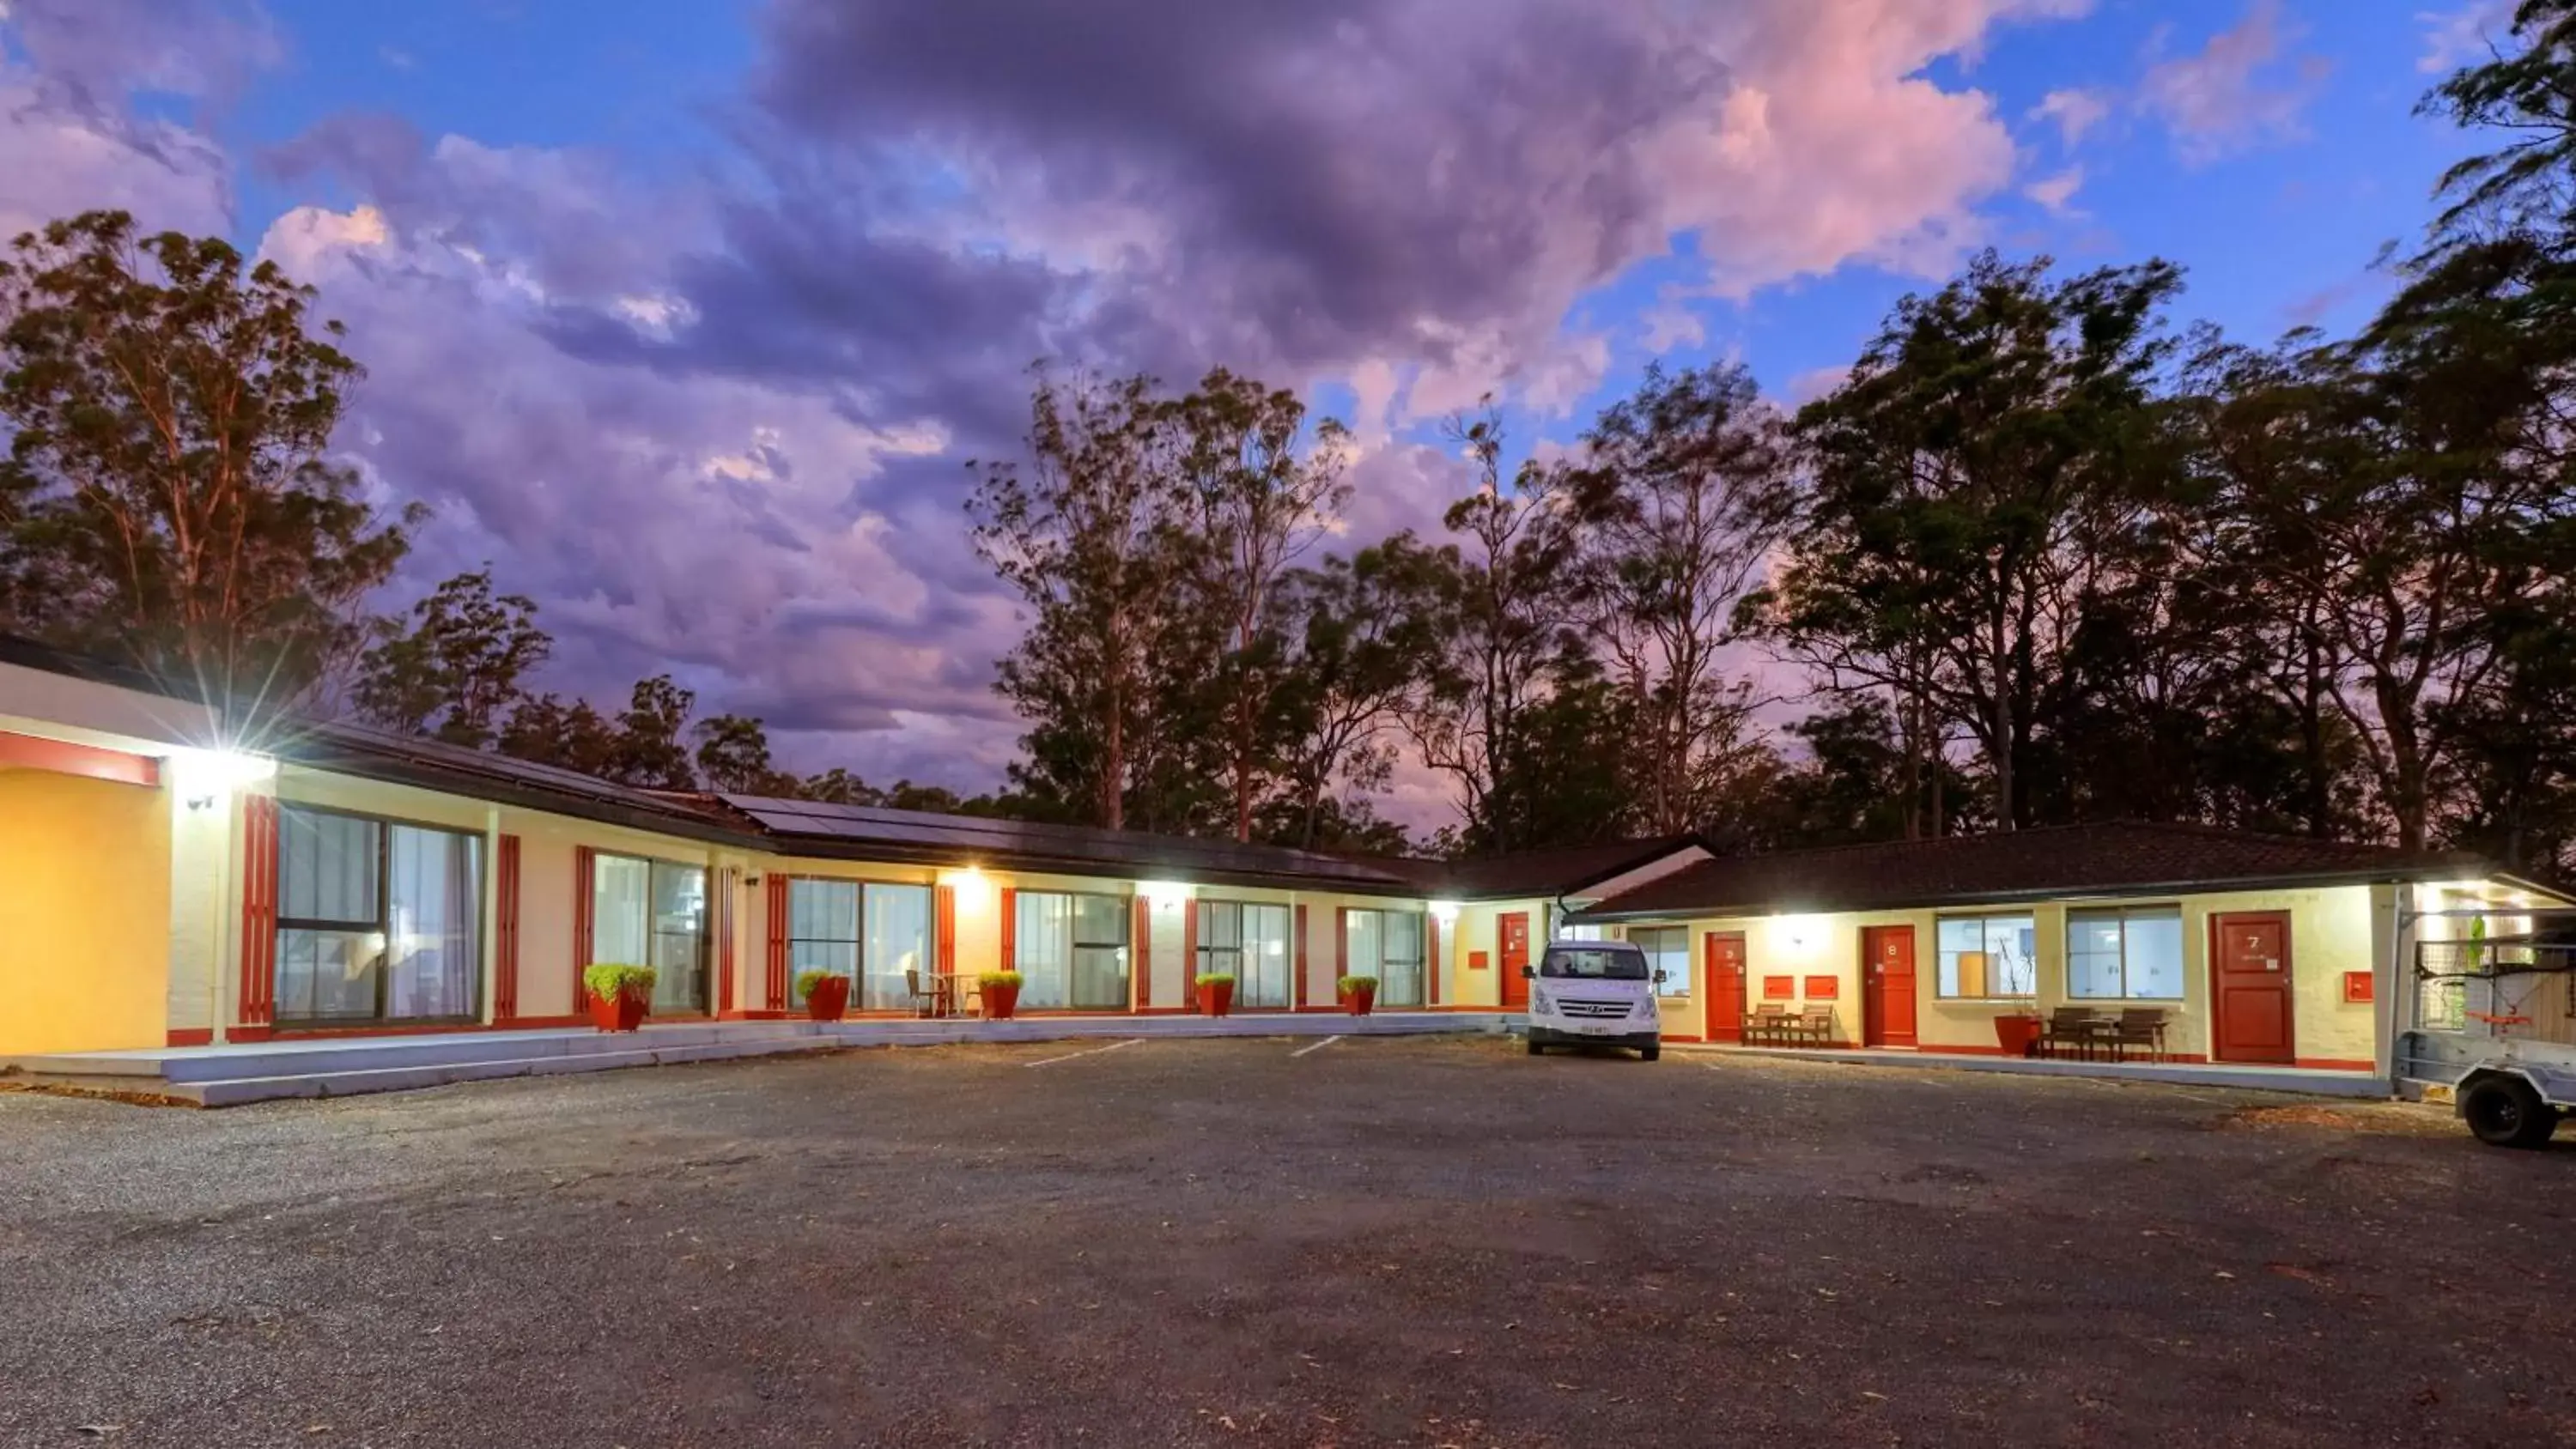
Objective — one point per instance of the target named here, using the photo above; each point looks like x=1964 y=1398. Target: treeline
x=2044 y=555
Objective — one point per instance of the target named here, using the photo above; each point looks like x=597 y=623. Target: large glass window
x=1667 y=950
x=653 y=913
x=1984 y=957
x=870 y=932
x=1249 y=943
x=1388 y=946
x=2132 y=954
x=1071 y=950
x=376 y=921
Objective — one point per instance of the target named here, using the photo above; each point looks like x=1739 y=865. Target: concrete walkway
x=2315 y=1081
x=226 y=1076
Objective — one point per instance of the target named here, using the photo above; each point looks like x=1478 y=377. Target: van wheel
x=1652 y=1053
x=1535 y=1049
x=2506 y=1112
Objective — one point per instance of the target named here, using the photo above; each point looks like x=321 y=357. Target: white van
x=1595 y=993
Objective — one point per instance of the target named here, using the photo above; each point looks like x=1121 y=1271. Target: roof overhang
x=1981 y=899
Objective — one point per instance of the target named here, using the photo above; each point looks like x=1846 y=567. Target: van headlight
x=1539 y=1002
x=1645 y=1007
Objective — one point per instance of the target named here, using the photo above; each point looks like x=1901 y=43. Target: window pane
x=1986 y=956
x=679 y=941
x=1042 y=942
x=1399 y=979
x=1265 y=977
x=898 y=941
x=434 y=955
x=1100 y=920
x=327 y=867
x=822 y=931
x=1365 y=954
x=326 y=975
x=2155 y=954
x=1667 y=950
x=2093 y=955
x=618 y=886
x=1960 y=946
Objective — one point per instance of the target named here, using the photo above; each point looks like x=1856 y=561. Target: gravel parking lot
x=1210 y=1242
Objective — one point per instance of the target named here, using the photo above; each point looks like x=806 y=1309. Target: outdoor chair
x=935 y=997
x=1816 y=1026
x=2139 y=1026
x=1768 y=1025
x=2071 y=1030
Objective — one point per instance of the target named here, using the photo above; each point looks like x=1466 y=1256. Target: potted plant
x=826 y=993
x=1216 y=993
x=1001 y=992
x=619 y=995
x=1358 y=993
x=2017 y=1032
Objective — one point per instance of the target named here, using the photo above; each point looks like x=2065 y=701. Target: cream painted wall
x=1476 y=929
x=2332 y=930
x=84 y=907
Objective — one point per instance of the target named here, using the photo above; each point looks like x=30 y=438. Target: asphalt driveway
x=1216 y=1242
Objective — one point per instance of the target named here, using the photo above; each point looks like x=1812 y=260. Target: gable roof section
x=2111 y=859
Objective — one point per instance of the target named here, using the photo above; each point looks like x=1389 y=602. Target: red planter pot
x=1216 y=998
x=622 y=1012
x=1001 y=1003
x=1361 y=1002
x=2017 y=1035
x=829 y=1000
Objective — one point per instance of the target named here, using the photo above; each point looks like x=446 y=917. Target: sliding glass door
x=1250 y=943
x=876 y=934
x=653 y=913
x=1388 y=945
x=377 y=921
x=1071 y=950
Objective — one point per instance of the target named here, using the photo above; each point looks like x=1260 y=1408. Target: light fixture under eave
x=1444 y=911
x=1163 y=892
x=203 y=777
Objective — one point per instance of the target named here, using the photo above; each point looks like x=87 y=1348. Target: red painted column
x=258 y=994
x=505 y=944
x=1299 y=931
x=944 y=913
x=1142 y=988
x=773 y=974
x=720 y=920
x=584 y=861
x=1189 y=955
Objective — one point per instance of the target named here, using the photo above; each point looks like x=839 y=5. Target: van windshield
x=1594 y=963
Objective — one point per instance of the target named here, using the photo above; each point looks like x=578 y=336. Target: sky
x=686 y=316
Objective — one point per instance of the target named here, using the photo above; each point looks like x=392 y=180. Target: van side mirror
x=1659 y=976
x=1529 y=973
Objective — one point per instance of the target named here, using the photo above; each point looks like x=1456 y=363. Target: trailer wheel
x=2506 y=1112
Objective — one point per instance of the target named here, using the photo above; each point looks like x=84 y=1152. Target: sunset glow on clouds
x=689 y=327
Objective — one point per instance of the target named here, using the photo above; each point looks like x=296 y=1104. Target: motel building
x=337 y=909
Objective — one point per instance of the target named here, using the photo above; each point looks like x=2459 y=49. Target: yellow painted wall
x=84 y=913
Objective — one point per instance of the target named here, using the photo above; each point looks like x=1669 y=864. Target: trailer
x=2489 y=1024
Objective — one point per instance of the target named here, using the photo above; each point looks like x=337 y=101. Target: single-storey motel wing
x=163 y=888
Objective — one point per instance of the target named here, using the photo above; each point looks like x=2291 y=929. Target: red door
x=1725 y=977
x=1511 y=933
x=2249 y=984
x=1887 y=986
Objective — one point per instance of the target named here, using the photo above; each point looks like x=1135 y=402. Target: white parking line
x=1319 y=1046
x=1089 y=1052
